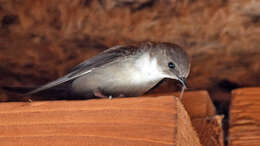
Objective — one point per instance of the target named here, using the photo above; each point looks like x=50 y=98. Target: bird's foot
x=110 y=97
x=97 y=93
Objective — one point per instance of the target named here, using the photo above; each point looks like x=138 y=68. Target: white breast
x=147 y=69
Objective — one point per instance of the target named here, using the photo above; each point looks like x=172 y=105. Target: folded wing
x=88 y=66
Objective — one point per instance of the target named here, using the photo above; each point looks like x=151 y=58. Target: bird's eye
x=171 y=65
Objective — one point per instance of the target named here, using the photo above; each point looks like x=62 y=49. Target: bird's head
x=174 y=62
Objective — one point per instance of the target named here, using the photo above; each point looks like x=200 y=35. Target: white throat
x=148 y=68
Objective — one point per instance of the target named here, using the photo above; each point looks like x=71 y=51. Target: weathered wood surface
x=245 y=117
x=126 y=121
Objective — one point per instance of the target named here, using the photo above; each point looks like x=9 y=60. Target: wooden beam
x=245 y=117
x=125 y=121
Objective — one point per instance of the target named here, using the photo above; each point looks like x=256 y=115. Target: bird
x=124 y=71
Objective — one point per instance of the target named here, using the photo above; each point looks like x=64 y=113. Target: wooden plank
x=126 y=121
x=185 y=136
x=197 y=103
x=209 y=130
x=245 y=117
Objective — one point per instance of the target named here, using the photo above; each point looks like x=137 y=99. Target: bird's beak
x=183 y=81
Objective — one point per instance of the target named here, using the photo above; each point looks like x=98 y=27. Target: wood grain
x=245 y=117
x=126 y=121
x=209 y=130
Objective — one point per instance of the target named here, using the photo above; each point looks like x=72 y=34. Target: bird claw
x=110 y=97
x=97 y=93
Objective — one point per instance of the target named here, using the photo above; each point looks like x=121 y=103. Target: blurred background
x=41 y=40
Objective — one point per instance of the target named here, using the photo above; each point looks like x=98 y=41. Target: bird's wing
x=88 y=66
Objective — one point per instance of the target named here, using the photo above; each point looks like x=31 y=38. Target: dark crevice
x=256 y=19
x=221 y=94
x=227 y=85
x=8 y=20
